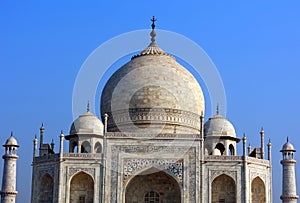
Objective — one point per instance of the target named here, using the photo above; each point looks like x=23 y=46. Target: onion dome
x=153 y=92
x=288 y=147
x=87 y=123
x=11 y=141
x=219 y=126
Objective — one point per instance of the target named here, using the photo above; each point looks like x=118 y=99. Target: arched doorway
x=258 y=193
x=82 y=188
x=223 y=190
x=153 y=186
x=45 y=194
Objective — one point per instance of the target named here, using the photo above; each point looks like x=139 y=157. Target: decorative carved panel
x=133 y=166
x=216 y=173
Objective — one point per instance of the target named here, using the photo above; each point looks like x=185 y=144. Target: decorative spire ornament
x=153 y=33
x=153 y=19
x=88 y=106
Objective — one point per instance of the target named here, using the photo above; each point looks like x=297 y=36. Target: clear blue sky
x=254 y=44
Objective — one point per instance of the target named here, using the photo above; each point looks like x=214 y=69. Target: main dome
x=153 y=93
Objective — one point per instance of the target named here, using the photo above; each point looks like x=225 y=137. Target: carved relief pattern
x=130 y=134
x=257 y=174
x=216 y=173
x=43 y=171
x=90 y=171
x=192 y=175
x=131 y=166
x=163 y=115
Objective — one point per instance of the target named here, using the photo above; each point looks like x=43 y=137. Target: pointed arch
x=85 y=147
x=152 y=169
x=231 y=150
x=73 y=146
x=45 y=193
x=98 y=147
x=153 y=185
x=223 y=189
x=220 y=147
x=258 y=191
x=82 y=188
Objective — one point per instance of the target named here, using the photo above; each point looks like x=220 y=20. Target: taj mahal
x=152 y=144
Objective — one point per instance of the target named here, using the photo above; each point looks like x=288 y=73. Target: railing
x=222 y=158
x=82 y=155
x=49 y=157
x=236 y=158
x=56 y=157
x=256 y=160
x=150 y=136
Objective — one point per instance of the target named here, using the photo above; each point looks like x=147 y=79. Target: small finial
x=88 y=106
x=153 y=22
x=11 y=133
x=42 y=127
x=244 y=137
x=262 y=130
x=35 y=136
x=153 y=33
x=287 y=139
x=52 y=141
x=61 y=134
x=217 y=109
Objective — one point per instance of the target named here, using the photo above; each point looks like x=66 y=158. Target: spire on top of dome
x=153 y=33
x=217 y=110
x=153 y=48
x=88 y=106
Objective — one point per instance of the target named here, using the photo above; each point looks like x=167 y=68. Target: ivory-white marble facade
x=153 y=144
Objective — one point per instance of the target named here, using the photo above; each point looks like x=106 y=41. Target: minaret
x=105 y=123
x=262 y=143
x=288 y=174
x=244 y=145
x=61 y=143
x=35 y=142
x=269 y=151
x=9 y=193
x=42 y=130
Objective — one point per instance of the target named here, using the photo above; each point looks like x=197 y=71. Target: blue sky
x=254 y=45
